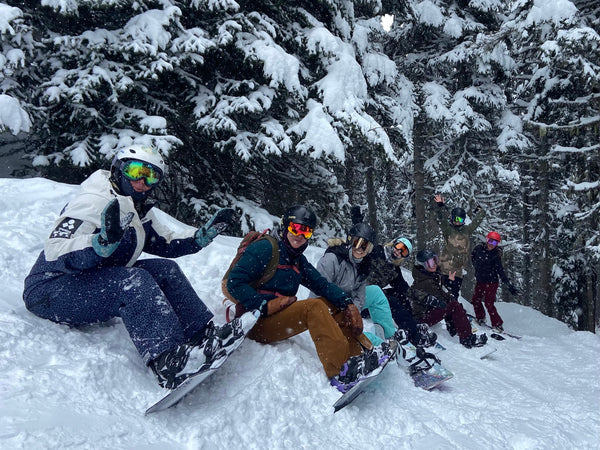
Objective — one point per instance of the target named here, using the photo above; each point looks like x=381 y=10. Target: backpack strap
x=268 y=273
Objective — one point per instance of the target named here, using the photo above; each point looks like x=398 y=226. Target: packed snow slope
x=88 y=389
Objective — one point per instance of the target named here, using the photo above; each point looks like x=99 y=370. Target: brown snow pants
x=334 y=342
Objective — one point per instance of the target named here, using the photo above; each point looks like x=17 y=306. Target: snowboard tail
x=496 y=332
x=432 y=377
x=175 y=395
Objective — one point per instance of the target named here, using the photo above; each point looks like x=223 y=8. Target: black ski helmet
x=363 y=230
x=424 y=255
x=458 y=212
x=299 y=214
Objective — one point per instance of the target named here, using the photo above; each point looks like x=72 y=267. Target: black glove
x=477 y=209
x=434 y=302
x=221 y=220
x=356 y=215
x=112 y=229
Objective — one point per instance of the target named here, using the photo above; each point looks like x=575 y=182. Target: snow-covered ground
x=88 y=389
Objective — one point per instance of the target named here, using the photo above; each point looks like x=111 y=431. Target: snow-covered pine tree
x=555 y=94
x=457 y=64
x=16 y=50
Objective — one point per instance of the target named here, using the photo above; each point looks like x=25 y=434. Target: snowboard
x=485 y=351
x=432 y=377
x=175 y=395
x=205 y=371
x=496 y=331
x=350 y=395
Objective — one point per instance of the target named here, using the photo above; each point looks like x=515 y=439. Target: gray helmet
x=299 y=214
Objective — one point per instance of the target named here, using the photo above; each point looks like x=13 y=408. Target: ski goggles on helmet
x=459 y=220
x=402 y=248
x=492 y=242
x=298 y=229
x=136 y=170
x=360 y=243
x=431 y=263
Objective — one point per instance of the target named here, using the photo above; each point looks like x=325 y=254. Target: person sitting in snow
x=334 y=322
x=487 y=261
x=347 y=265
x=385 y=272
x=90 y=271
x=432 y=302
x=382 y=266
x=457 y=235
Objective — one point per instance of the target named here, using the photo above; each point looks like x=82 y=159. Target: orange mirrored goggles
x=300 y=229
x=403 y=249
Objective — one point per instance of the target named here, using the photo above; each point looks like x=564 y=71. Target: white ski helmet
x=141 y=153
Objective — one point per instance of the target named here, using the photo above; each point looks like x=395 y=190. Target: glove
x=439 y=200
x=278 y=303
x=511 y=288
x=216 y=225
x=353 y=319
x=434 y=302
x=477 y=209
x=112 y=229
x=356 y=215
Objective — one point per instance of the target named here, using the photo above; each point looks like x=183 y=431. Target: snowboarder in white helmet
x=90 y=271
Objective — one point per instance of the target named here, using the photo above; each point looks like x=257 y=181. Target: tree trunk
x=420 y=201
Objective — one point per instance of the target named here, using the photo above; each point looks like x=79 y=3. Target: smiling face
x=296 y=241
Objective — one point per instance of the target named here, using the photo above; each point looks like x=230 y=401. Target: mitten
x=216 y=225
x=353 y=319
x=278 y=303
x=112 y=229
x=356 y=215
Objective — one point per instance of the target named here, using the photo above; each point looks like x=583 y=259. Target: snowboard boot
x=426 y=338
x=498 y=329
x=423 y=361
x=474 y=340
x=450 y=328
x=480 y=321
x=406 y=350
x=230 y=335
x=173 y=367
x=358 y=367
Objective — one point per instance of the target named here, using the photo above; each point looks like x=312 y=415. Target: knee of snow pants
x=334 y=344
x=131 y=293
x=379 y=309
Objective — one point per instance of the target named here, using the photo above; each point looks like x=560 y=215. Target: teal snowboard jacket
x=290 y=274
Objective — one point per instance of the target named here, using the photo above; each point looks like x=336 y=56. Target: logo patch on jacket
x=66 y=228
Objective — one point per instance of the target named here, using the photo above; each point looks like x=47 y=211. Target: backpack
x=236 y=309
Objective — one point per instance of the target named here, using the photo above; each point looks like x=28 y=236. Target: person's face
x=296 y=241
x=361 y=247
x=140 y=185
x=431 y=264
x=298 y=234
